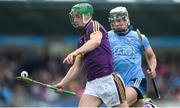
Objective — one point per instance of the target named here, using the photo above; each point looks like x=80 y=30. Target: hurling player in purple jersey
x=103 y=85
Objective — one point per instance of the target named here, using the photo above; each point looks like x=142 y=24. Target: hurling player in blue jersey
x=94 y=53
x=127 y=52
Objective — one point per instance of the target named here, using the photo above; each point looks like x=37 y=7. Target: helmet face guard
x=79 y=10
x=121 y=14
x=116 y=15
x=72 y=17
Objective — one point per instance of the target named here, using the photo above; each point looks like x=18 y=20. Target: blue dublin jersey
x=127 y=50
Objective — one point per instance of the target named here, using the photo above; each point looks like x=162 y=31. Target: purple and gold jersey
x=98 y=62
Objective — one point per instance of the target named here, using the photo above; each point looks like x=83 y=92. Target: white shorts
x=110 y=89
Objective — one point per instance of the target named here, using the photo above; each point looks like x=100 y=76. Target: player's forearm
x=153 y=62
x=88 y=46
x=72 y=74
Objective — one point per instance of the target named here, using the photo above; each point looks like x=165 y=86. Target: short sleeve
x=92 y=28
x=146 y=42
x=80 y=42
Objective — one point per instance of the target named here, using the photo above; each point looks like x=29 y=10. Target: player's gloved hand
x=70 y=58
x=151 y=73
x=60 y=86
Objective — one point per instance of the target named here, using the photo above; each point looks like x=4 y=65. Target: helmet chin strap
x=81 y=29
x=124 y=32
x=85 y=22
x=121 y=32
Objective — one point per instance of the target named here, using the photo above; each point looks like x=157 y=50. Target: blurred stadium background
x=36 y=35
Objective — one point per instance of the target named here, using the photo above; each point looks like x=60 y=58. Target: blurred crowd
x=50 y=70
x=168 y=75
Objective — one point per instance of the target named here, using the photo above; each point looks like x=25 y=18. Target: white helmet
x=118 y=13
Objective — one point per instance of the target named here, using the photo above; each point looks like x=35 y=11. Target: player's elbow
x=153 y=56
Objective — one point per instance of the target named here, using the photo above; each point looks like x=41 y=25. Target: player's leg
x=124 y=104
x=131 y=96
x=135 y=91
x=139 y=103
x=89 y=101
x=90 y=97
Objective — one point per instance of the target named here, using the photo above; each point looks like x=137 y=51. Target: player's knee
x=139 y=103
x=124 y=105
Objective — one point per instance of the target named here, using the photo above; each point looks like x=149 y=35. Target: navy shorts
x=140 y=85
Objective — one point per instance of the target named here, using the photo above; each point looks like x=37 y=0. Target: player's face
x=120 y=24
x=76 y=20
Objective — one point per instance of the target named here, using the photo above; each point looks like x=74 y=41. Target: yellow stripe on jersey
x=95 y=26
